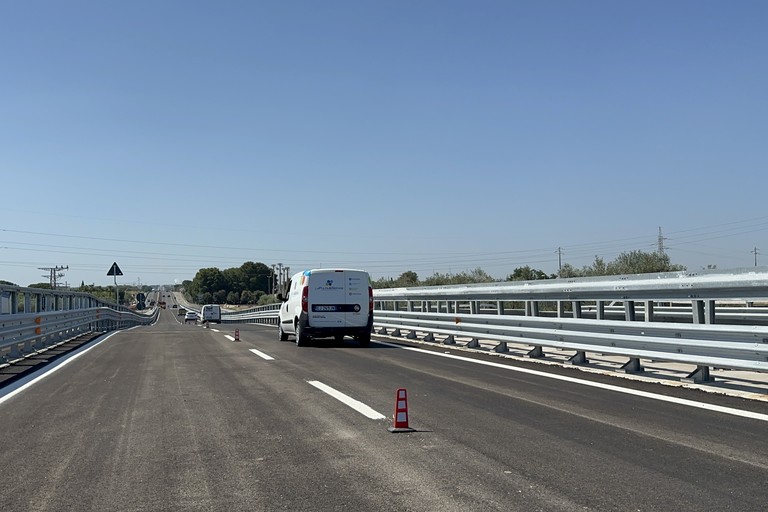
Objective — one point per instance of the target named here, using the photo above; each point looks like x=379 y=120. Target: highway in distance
x=177 y=417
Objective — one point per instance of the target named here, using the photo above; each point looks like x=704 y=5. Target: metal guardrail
x=702 y=290
x=267 y=314
x=722 y=346
x=708 y=341
x=33 y=319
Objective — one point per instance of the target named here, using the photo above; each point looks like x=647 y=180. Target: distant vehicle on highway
x=182 y=311
x=211 y=313
x=175 y=306
x=190 y=316
x=323 y=303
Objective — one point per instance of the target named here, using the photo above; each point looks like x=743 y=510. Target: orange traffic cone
x=400 y=419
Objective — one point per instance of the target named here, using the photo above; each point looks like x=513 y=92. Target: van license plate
x=324 y=308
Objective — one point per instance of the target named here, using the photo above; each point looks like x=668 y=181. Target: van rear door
x=338 y=298
x=326 y=298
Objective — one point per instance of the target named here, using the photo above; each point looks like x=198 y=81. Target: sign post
x=115 y=271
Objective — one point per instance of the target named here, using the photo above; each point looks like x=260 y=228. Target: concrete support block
x=535 y=352
x=632 y=366
x=580 y=357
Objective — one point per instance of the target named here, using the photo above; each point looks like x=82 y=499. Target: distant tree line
x=247 y=284
x=634 y=262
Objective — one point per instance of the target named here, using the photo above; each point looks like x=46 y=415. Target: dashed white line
x=230 y=338
x=348 y=401
x=262 y=354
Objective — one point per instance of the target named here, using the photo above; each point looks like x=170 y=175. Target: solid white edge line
x=610 y=387
x=262 y=354
x=230 y=338
x=348 y=401
x=39 y=375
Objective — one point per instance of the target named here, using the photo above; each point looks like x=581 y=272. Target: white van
x=211 y=313
x=323 y=303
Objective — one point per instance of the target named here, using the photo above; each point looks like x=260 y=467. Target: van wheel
x=339 y=338
x=301 y=338
x=281 y=334
x=364 y=339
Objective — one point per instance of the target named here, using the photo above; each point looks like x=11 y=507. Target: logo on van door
x=329 y=286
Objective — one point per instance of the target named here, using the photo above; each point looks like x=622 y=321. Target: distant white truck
x=210 y=313
x=324 y=303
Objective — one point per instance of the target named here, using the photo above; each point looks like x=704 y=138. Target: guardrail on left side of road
x=33 y=319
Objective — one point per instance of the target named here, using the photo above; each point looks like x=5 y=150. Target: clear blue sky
x=433 y=136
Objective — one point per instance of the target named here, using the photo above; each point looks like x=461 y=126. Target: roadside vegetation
x=635 y=262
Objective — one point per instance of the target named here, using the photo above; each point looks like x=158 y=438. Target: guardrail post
x=473 y=307
x=698 y=311
x=531 y=308
x=500 y=307
x=560 y=309
x=576 y=306
x=649 y=311
x=709 y=310
x=449 y=340
x=629 y=311
x=600 y=310
x=501 y=348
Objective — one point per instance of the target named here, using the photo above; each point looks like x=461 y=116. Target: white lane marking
x=349 y=401
x=611 y=387
x=262 y=354
x=39 y=375
x=230 y=338
x=215 y=330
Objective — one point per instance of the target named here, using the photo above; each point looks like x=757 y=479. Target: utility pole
x=559 y=252
x=755 y=252
x=280 y=278
x=54 y=273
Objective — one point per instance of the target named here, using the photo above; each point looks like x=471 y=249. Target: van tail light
x=305 y=299
x=370 y=299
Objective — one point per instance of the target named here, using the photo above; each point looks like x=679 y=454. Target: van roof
x=319 y=270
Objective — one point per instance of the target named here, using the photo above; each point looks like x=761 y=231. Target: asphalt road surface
x=177 y=417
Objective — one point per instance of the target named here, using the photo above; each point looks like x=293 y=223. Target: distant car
x=182 y=311
x=190 y=316
x=175 y=306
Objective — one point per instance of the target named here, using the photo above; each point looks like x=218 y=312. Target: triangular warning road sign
x=115 y=270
